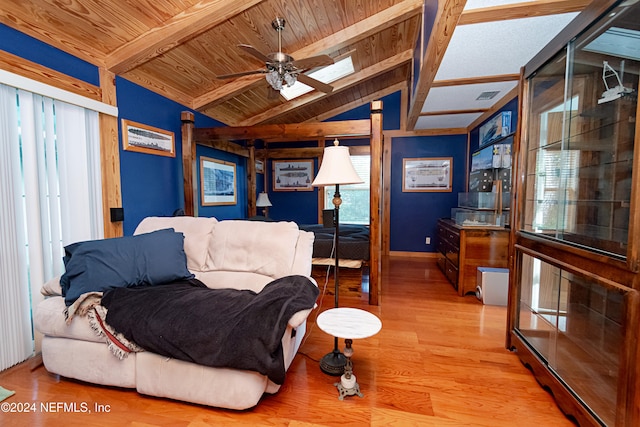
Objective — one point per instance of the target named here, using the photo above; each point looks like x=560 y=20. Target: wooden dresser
x=461 y=250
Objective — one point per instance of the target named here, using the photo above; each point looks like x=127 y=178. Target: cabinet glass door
x=581 y=131
x=575 y=324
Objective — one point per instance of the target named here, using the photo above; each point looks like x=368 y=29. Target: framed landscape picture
x=292 y=175
x=147 y=139
x=217 y=182
x=427 y=174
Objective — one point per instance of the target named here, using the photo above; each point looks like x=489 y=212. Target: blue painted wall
x=27 y=47
x=414 y=215
x=153 y=185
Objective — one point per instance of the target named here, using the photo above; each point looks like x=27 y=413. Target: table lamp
x=264 y=203
x=336 y=169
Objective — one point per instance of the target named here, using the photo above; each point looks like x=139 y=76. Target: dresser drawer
x=452 y=274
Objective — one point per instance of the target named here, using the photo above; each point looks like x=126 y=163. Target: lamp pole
x=333 y=363
x=336 y=169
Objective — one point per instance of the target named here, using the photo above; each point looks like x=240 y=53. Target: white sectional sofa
x=221 y=254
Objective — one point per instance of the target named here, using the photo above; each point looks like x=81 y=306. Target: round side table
x=350 y=324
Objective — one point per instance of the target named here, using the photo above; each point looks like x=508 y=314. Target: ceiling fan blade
x=244 y=73
x=255 y=52
x=312 y=62
x=316 y=84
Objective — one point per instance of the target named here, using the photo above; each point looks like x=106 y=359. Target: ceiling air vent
x=487 y=95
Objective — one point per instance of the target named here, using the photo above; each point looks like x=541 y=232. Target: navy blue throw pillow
x=145 y=259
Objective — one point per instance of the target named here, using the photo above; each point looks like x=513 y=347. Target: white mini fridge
x=492 y=285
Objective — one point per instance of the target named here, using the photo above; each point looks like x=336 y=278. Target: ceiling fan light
x=290 y=79
x=273 y=78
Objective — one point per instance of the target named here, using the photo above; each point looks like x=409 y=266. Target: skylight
x=327 y=74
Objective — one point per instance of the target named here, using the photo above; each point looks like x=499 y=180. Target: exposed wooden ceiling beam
x=355 y=104
x=342 y=84
x=227 y=146
x=186 y=25
x=521 y=10
x=346 y=37
x=301 y=131
x=159 y=86
x=225 y=92
x=17 y=65
x=476 y=80
x=447 y=17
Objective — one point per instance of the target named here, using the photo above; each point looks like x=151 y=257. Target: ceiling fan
x=281 y=69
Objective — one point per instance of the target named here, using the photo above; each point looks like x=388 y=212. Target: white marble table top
x=349 y=323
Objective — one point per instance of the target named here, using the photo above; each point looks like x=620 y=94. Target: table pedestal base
x=333 y=363
x=348 y=387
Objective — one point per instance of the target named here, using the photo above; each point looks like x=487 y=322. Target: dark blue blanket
x=213 y=327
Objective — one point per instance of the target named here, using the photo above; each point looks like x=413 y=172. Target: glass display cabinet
x=481 y=209
x=574 y=313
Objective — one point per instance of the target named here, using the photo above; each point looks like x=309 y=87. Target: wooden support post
x=252 y=185
x=321 y=206
x=189 y=167
x=386 y=200
x=109 y=157
x=375 y=207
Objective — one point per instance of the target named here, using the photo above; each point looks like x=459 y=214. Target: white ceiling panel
x=495 y=48
x=464 y=97
x=446 y=121
x=477 y=4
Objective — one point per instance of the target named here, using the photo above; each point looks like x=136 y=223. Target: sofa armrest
x=298 y=318
x=52 y=287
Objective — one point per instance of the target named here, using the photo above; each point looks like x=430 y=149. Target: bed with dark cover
x=354 y=241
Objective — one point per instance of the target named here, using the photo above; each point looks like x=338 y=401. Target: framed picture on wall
x=292 y=175
x=217 y=182
x=427 y=174
x=147 y=139
x=259 y=166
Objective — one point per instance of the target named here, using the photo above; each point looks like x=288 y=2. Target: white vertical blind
x=15 y=322
x=50 y=196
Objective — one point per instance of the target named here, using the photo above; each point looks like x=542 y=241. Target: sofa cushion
x=49 y=319
x=266 y=248
x=197 y=234
x=98 y=265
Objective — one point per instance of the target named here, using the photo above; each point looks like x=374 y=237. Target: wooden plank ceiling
x=178 y=47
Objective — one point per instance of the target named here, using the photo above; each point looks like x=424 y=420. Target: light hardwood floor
x=439 y=360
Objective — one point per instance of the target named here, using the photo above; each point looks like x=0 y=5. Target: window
x=355 y=197
x=50 y=196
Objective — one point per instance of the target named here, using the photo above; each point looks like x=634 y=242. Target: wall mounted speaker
x=117 y=214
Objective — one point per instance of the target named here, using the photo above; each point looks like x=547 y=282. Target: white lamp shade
x=336 y=168
x=263 y=200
